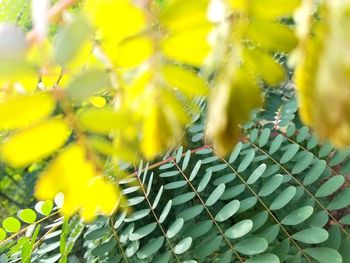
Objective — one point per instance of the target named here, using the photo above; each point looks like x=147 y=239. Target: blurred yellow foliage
x=72 y=174
x=123 y=78
x=34 y=143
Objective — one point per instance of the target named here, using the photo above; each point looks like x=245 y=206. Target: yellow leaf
x=239 y=5
x=264 y=66
x=102 y=120
x=188 y=28
x=163 y=122
x=276 y=37
x=23 y=110
x=188 y=46
x=231 y=104
x=34 y=143
x=102 y=197
x=116 y=20
x=97 y=101
x=189 y=83
x=72 y=174
x=322 y=77
x=16 y=69
x=153 y=142
x=272 y=9
x=130 y=52
x=179 y=15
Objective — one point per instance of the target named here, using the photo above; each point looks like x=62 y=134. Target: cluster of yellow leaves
x=152 y=39
x=35 y=136
x=133 y=70
x=75 y=176
x=151 y=53
x=322 y=74
x=255 y=34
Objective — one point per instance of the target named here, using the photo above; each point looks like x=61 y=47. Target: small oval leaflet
x=330 y=186
x=204 y=182
x=175 y=228
x=235 y=152
x=266 y=258
x=215 y=195
x=142 y=232
x=291 y=151
x=183 y=198
x=240 y=229
x=276 y=144
x=246 y=161
x=132 y=248
x=271 y=185
x=256 y=174
x=11 y=225
x=2 y=234
x=315 y=172
x=313 y=235
x=165 y=211
x=303 y=163
x=183 y=245
x=264 y=137
x=341 y=200
x=252 y=246
x=150 y=248
x=27 y=215
x=195 y=170
x=227 y=211
x=324 y=254
x=298 y=216
x=283 y=198
x=191 y=212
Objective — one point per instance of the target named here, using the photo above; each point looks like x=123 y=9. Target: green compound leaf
x=75 y=33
